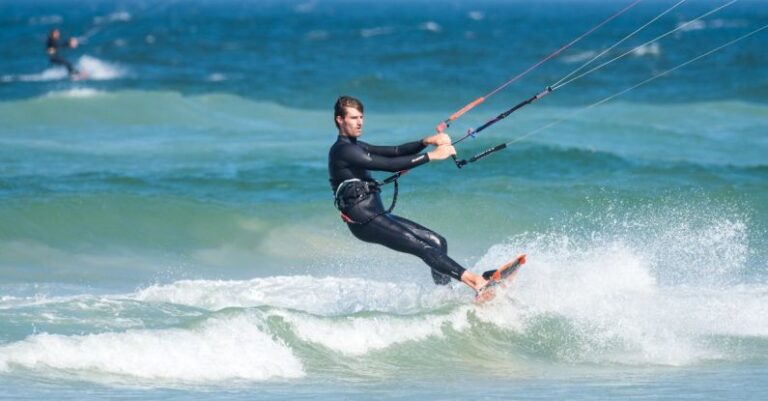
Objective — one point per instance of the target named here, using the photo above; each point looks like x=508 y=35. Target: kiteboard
x=79 y=76
x=499 y=279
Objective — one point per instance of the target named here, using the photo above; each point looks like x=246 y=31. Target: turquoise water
x=167 y=230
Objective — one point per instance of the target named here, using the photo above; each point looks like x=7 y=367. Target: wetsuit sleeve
x=360 y=157
x=51 y=45
x=55 y=45
x=409 y=148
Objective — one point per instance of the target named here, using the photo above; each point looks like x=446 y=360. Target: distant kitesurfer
x=53 y=47
x=357 y=193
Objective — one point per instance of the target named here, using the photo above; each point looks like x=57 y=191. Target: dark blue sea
x=167 y=230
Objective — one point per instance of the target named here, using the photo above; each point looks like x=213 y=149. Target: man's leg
x=431 y=237
x=61 y=61
x=390 y=232
x=471 y=279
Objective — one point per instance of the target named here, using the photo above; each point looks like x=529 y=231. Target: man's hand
x=442 y=152
x=437 y=139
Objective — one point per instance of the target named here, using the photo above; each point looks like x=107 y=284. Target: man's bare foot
x=474 y=281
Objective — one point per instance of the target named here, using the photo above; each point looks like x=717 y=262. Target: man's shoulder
x=343 y=150
x=345 y=145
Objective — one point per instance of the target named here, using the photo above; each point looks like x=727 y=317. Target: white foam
x=324 y=296
x=378 y=31
x=431 y=26
x=216 y=77
x=9 y=301
x=613 y=291
x=50 y=74
x=651 y=49
x=76 y=93
x=94 y=68
x=695 y=25
x=122 y=16
x=356 y=336
x=220 y=349
x=699 y=25
x=476 y=15
x=723 y=23
x=579 y=57
x=99 y=70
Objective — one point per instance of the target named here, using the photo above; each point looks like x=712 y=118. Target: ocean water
x=167 y=228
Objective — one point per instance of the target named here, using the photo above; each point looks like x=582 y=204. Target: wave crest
x=220 y=349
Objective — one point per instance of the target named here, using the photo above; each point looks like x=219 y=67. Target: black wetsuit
x=350 y=159
x=52 y=46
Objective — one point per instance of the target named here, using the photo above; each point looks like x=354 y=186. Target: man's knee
x=439 y=242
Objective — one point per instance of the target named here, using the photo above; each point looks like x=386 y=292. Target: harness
x=354 y=190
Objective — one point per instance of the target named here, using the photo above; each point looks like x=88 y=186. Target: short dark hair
x=341 y=103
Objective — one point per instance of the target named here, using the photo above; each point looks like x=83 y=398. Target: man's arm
x=54 y=45
x=358 y=157
x=361 y=157
x=409 y=148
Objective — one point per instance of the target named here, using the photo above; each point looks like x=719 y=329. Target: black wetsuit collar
x=349 y=139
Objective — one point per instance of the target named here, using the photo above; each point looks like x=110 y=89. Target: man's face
x=352 y=123
x=55 y=34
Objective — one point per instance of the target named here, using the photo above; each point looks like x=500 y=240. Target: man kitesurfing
x=53 y=46
x=357 y=195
